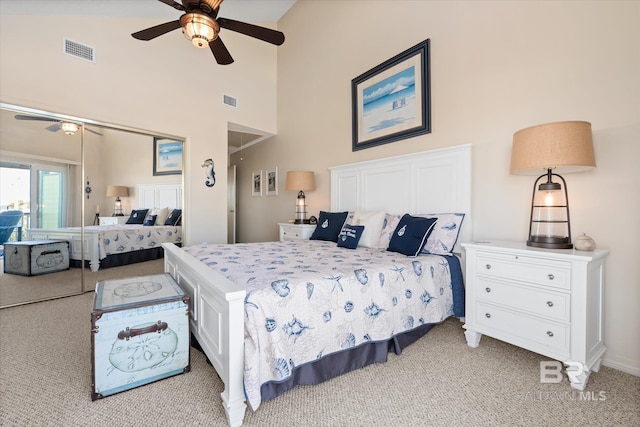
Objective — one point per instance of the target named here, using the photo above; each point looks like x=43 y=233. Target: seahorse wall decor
x=211 y=174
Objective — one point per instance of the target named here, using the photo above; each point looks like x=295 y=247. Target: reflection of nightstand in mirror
x=290 y=231
x=113 y=220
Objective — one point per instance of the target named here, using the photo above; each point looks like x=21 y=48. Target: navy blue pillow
x=150 y=220
x=329 y=226
x=137 y=216
x=350 y=236
x=411 y=235
x=174 y=218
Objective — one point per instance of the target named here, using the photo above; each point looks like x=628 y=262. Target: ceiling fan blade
x=158 y=30
x=264 y=34
x=37 y=118
x=173 y=4
x=53 y=128
x=220 y=52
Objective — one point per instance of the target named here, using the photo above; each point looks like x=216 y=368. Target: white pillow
x=445 y=233
x=163 y=214
x=372 y=221
x=388 y=227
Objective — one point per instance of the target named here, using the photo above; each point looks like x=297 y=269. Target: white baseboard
x=621 y=366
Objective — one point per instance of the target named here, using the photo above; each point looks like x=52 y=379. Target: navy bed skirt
x=336 y=364
x=125 y=258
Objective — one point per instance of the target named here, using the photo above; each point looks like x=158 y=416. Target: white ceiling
x=266 y=11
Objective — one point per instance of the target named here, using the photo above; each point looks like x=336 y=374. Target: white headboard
x=160 y=196
x=435 y=181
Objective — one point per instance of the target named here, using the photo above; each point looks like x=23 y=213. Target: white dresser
x=547 y=301
x=113 y=220
x=289 y=231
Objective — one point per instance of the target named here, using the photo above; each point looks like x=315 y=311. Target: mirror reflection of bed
x=114 y=156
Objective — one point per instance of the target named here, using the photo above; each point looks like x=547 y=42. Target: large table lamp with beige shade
x=559 y=147
x=301 y=182
x=117 y=191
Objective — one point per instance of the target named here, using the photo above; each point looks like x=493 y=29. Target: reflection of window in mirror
x=41 y=166
x=40 y=179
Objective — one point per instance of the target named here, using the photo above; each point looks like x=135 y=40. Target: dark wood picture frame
x=392 y=101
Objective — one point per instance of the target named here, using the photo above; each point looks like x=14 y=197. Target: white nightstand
x=289 y=231
x=113 y=220
x=547 y=301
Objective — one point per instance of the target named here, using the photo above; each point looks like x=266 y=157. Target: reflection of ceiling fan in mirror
x=201 y=25
x=69 y=128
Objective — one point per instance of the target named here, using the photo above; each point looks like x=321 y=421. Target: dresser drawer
x=291 y=233
x=113 y=220
x=545 y=303
x=527 y=269
x=541 y=333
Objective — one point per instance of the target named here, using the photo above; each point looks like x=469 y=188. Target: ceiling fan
x=68 y=127
x=201 y=25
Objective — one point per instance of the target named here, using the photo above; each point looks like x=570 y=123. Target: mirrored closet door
x=69 y=180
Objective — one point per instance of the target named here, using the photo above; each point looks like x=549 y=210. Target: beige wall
x=126 y=158
x=164 y=85
x=496 y=67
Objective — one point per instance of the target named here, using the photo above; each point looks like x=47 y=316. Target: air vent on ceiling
x=230 y=101
x=79 y=50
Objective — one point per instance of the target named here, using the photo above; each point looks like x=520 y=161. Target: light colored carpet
x=16 y=289
x=45 y=379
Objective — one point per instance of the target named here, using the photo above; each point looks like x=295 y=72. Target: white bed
x=147 y=242
x=93 y=249
x=436 y=181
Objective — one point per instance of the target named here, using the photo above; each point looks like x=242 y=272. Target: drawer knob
x=551 y=276
x=550 y=333
x=550 y=303
x=487 y=289
x=488 y=315
x=488 y=266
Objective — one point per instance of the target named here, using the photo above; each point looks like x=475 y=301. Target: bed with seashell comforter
x=309 y=299
x=273 y=315
x=112 y=245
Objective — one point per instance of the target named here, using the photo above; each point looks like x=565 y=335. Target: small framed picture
x=256 y=182
x=167 y=157
x=271 y=176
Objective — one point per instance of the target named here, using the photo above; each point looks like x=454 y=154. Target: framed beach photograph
x=256 y=183
x=271 y=178
x=167 y=156
x=392 y=101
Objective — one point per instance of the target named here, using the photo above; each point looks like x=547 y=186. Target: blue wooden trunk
x=140 y=333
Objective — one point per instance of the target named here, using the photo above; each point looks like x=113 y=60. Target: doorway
x=231 y=205
x=239 y=137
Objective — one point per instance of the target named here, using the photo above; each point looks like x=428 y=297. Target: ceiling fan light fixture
x=69 y=128
x=199 y=28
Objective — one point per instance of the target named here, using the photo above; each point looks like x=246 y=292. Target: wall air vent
x=230 y=101
x=79 y=50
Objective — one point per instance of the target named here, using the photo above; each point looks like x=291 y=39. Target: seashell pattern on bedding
x=307 y=299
